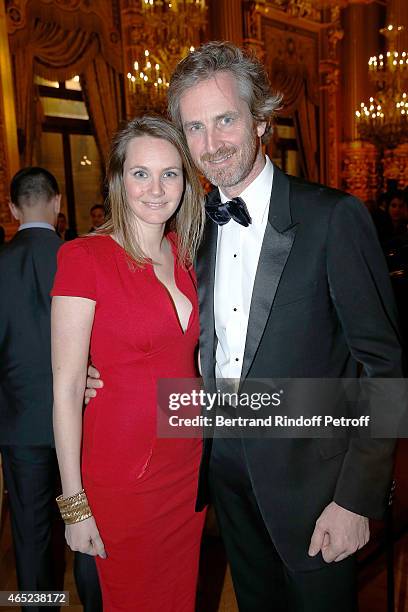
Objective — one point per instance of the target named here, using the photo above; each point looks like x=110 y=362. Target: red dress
x=141 y=488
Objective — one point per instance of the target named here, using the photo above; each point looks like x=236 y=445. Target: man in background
x=27 y=269
x=62 y=229
x=97 y=213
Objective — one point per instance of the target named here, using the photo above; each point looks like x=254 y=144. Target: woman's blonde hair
x=188 y=220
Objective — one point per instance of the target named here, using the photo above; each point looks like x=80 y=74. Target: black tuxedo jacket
x=27 y=270
x=322 y=304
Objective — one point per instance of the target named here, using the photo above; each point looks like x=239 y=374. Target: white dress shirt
x=36 y=224
x=238 y=250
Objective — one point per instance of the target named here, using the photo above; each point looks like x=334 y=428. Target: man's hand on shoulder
x=93 y=382
x=338 y=533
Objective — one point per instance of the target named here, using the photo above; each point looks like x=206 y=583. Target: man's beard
x=242 y=162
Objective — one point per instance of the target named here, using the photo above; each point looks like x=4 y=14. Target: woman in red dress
x=127 y=295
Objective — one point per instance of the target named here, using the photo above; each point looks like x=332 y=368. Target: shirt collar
x=258 y=194
x=36 y=224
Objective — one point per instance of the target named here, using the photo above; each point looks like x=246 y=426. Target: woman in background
x=397 y=210
x=128 y=294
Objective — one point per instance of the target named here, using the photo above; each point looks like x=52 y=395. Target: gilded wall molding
x=9 y=160
x=395 y=166
x=6 y=219
x=360 y=169
x=329 y=158
x=329 y=71
x=299 y=36
x=305 y=9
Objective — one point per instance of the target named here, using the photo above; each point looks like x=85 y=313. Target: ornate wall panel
x=292 y=47
x=360 y=169
x=297 y=41
x=395 y=166
x=329 y=123
x=371 y=176
x=5 y=216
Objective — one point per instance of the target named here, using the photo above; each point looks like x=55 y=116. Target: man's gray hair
x=214 y=57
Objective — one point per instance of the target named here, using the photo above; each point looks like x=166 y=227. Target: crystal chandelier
x=164 y=33
x=384 y=120
x=149 y=83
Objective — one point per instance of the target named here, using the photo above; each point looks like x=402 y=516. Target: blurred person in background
x=27 y=269
x=397 y=210
x=396 y=253
x=97 y=213
x=62 y=230
x=380 y=218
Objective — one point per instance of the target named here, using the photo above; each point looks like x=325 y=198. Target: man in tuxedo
x=297 y=288
x=292 y=284
x=27 y=269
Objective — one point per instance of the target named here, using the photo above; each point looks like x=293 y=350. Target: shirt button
x=236 y=359
x=235 y=309
x=235 y=255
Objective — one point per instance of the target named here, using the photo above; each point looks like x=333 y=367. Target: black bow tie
x=222 y=213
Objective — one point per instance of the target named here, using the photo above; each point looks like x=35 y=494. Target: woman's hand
x=84 y=537
x=93 y=382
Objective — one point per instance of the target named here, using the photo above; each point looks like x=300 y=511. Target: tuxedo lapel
x=278 y=240
x=205 y=268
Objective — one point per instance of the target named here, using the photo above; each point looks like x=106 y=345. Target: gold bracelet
x=74 y=508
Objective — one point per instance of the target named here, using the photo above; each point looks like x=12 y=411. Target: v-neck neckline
x=169 y=297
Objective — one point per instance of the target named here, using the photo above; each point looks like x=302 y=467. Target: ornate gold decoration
x=157 y=34
x=330 y=76
x=395 y=166
x=5 y=215
x=252 y=20
x=274 y=29
x=303 y=8
x=335 y=32
x=16 y=15
x=6 y=219
x=384 y=120
x=253 y=39
x=359 y=171
x=9 y=161
x=294 y=49
x=306 y=9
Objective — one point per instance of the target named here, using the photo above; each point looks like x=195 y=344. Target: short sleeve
x=75 y=275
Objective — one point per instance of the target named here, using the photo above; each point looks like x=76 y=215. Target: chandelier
x=163 y=33
x=384 y=120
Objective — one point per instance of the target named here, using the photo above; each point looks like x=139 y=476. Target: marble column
x=226 y=20
x=9 y=161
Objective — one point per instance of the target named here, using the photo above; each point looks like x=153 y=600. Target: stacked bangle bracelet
x=74 y=508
